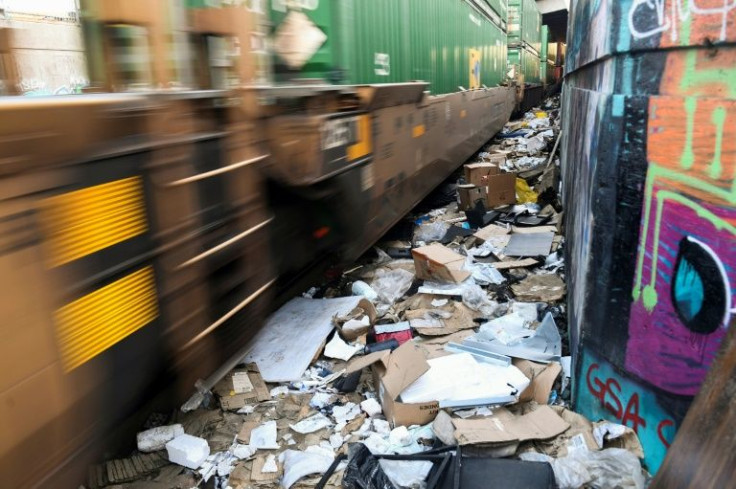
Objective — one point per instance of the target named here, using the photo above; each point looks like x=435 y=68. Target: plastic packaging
x=314 y=460
x=433 y=231
x=407 y=473
x=612 y=468
x=391 y=285
x=363 y=289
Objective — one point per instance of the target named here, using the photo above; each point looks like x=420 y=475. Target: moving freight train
x=148 y=225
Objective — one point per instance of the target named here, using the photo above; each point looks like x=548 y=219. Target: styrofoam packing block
x=188 y=451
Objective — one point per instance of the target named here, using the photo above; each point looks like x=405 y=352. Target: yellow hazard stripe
x=365 y=140
x=93 y=323
x=82 y=222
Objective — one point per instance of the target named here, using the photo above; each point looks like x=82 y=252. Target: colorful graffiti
x=684 y=282
x=651 y=205
x=611 y=395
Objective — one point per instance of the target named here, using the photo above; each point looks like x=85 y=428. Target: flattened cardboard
x=437 y=263
x=501 y=190
x=539 y=288
x=503 y=427
x=232 y=401
x=245 y=430
x=505 y=265
x=470 y=194
x=492 y=230
x=542 y=378
x=478 y=173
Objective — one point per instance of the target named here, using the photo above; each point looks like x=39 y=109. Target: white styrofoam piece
x=188 y=451
x=311 y=424
x=371 y=407
x=340 y=350
x=264 y=436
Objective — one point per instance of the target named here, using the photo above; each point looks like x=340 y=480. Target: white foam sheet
x=293 y=335
x=460 y=378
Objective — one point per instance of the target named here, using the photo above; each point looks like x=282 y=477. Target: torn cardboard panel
x=227 y=388
x=427 y=322
x=506 y=265
x=504 y=427
x=490 y=231
x=542 y=377
x=478 y=173
x=438 y=263
x=470 y=194
x=539 y=288
x=279 y=357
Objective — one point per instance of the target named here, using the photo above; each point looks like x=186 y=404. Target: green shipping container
x=448 y=43
x=527 y=63
x=543 y=40
x=524 y=24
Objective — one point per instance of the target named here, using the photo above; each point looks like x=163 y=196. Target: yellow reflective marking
x=417 y=131
x=93 y=323
x=365 y=139
x=82 y=222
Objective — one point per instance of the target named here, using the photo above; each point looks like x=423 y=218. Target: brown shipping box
x=437 y=263
x=478 y=173
x=501 y=190
x=392 y=373
x=469 y=195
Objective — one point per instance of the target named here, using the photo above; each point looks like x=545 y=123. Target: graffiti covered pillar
x=649 y=171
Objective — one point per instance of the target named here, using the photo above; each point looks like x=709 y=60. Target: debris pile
x=442 y=362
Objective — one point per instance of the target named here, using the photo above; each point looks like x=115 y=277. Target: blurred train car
x=149 y=225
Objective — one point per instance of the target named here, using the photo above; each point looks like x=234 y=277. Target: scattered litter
x=545 y=345
x=297 y=464
x=439 y=302
x=613 y=467
x=400 y=436
x=406 y=473
x=371 y=407
x=540 y=288
x=311 y=424
x=243 y=451
x=264 y=436
x=348 y=412
x=391 y=285
x=363 y=289
x=338 y=349
x=270 y=466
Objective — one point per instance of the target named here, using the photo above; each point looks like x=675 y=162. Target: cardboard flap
x=503 y=427
x=405 y=365
x=435 y=262
x=362 y=362
x=438 y=254
x=542 y=378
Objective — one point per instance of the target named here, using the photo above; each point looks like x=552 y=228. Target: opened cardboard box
x=478 y=173
x=470 y=194
x=392 y=373
x=437 y=263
